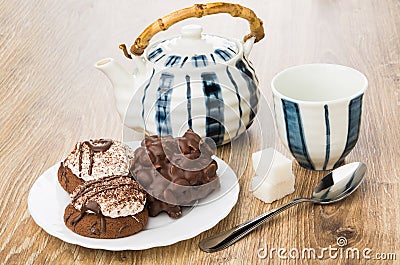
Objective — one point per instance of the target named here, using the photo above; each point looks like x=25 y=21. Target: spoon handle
x=226 y=238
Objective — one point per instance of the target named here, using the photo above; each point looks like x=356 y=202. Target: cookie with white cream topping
x=111 y=207
x=94 y=159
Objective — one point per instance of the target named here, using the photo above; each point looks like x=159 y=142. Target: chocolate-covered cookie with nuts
x=175 y=172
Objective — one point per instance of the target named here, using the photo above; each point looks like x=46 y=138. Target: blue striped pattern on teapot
x=202 y=60
x=220 y=106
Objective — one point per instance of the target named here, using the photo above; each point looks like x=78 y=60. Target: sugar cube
x=269 y=193
x=273 y=165
x=274 y=179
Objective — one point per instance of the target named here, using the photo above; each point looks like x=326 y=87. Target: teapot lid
x=192 y=48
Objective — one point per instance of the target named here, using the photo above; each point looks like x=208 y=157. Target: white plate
x=47 y=201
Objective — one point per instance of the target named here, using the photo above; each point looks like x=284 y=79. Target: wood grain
x=51 y=97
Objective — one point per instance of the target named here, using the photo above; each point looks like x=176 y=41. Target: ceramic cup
x=318 y=112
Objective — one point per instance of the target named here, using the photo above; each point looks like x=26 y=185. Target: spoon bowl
x=334 y=187
x=339 y=183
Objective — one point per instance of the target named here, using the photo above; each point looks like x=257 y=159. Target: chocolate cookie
x=111 y=207
x=94 y=159
x=175 y=172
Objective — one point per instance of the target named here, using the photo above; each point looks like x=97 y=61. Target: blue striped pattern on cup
x=303 y=140
x=353 y=129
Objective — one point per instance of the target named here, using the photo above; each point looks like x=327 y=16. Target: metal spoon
x=334 y=187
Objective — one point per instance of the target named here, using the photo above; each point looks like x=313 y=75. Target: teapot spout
x=122 y=82
x=115 y=72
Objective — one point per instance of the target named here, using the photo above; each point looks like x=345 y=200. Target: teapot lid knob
x=192 y=31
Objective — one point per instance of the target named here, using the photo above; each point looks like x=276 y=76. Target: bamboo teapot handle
x=197 y=10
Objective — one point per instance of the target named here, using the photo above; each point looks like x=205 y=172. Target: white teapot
x=197 y=81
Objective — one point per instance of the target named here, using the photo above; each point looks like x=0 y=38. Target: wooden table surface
x=51 y=96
